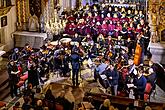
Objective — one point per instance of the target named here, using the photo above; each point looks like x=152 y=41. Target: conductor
x=75 y=62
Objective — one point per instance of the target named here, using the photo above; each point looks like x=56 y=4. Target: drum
x=84 y=43
x=55 y=43
x=74 y=43
x=65 y=42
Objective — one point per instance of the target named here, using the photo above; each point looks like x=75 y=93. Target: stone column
x=153 y=19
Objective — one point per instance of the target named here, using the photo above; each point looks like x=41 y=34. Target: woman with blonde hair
x=106 y=105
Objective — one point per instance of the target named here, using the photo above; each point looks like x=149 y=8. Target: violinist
x=131 y=66
x=89 y=40
x=76 y=38
x=109 y=41
x=101 y=40
x=131 y=31
x=57 y=59
x=27 y=50
x=110 y=53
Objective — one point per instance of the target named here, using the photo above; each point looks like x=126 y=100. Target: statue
x=33 y=23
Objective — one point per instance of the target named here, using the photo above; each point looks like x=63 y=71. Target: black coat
x=75 y=60
x=33 y=76
x=115 y=76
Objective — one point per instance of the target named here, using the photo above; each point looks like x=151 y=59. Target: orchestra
x=112 y=37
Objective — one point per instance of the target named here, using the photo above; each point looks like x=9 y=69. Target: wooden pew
x=124 y=101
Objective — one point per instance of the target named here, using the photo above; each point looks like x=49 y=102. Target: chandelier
x=52 y=21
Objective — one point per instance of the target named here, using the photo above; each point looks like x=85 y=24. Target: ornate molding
x=156 y=18
x=5 y=10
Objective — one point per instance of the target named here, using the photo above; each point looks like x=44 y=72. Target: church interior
x=82 y=54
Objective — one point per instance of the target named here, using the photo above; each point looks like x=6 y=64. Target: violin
x=29 y=49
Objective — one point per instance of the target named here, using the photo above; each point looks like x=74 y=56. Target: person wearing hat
x=75 y=62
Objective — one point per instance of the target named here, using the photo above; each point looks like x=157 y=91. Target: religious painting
x=4 y=21
x=163 y=36
x=35 y=7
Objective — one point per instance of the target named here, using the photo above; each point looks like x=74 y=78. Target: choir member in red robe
x=89 y=17
x=71 y=28
x=81 y=26
x=123 y=18
x=138 y=29
x=98 y=27
x=104 y=27
x=131 y=30
x=118 y=29
x=111 y=28
x=115 y=18
x=108 y=17
x=97 y=17
x=87 y=29
x=71 y=18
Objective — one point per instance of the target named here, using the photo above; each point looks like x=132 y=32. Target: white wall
x=9 y=29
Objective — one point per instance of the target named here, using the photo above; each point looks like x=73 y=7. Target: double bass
x=137 y=56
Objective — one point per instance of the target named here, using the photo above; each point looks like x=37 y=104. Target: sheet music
x=103 y=76
x=90 y=63
x=14 y=72
x=130 y=85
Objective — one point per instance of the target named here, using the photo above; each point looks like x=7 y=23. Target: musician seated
x=15 y=55
x=131 y=66
x=27 y=50
x=94 y=51
x=124 y=55
x=76 y=38
x=100 y=39
x=65 y=63
x=57 y=59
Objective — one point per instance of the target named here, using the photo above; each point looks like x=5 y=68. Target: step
x=5 y=93
x=3 y=76
x=4 y=85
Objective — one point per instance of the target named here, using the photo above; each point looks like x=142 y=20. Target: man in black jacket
x=113 y=76
x=75 y=62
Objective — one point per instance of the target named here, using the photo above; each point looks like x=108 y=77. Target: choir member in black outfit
x=13 y=79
